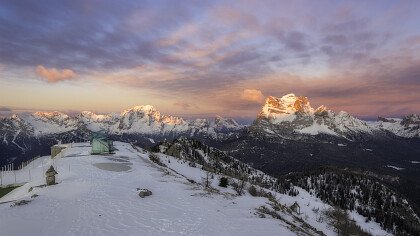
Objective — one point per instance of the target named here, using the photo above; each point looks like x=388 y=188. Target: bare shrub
x=239 y=186
x=207 y=179
x=253 y=191
x=342 y=224
x=155 y=158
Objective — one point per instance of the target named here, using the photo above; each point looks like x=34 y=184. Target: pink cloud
x=252 y=95
x=53 y=75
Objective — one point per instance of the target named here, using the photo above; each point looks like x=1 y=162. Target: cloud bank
x=362 y=57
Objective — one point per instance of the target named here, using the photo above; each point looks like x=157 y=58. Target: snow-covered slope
x=292 y=114
x=97 y=195
x=49 y=122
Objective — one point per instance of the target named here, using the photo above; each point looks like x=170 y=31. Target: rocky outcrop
x=407 y=127
x=293 y=115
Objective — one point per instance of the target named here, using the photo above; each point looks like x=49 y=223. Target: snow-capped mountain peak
x=291 y=115
x=321 y=110
x=285 y=108
x=142 y=110
x=136 y=120
x=55 y=116
x=412 y=119
x=408 y=126
x=147 y=109
x=225 y=121
x=225 y=124
x=88 y=115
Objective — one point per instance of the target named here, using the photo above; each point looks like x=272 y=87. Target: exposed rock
x=144 y=192
x=411 y=120
x=20 y=203
x=383 y=119
x=291 y=115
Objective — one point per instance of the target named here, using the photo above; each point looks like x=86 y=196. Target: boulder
x=145 y=193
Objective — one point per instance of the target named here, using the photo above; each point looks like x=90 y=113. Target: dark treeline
x=347 y=190
x=355 y=191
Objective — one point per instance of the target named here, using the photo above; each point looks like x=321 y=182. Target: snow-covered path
x=92 y=201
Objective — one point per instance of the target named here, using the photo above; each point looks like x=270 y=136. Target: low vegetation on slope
x=344 y=189
x=218 y=162
x=353 y=191
x=6 y=190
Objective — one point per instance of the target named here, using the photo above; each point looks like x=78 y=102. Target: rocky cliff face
x=291 y=115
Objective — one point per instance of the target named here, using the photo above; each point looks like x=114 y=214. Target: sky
x=202 y=58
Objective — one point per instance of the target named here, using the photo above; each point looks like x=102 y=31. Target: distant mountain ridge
x=287 y=115
x=408 y=126
x=139 y=119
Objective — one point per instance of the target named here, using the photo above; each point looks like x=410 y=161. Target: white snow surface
x=316 y=128
x=92 y=199
x=49 y=122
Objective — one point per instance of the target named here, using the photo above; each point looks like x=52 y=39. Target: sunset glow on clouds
x=195 y=58
x=53 y=75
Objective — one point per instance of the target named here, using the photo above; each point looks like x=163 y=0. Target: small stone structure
x=50 y=176
x=144 y=192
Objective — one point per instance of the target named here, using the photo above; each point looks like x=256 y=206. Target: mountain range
x=287 y=116
x=287 y=135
